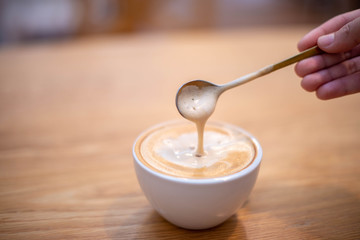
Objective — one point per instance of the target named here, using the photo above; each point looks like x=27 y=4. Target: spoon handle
x=305 y=54
x=273 y=67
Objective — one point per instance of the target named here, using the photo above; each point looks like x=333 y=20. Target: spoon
x=196 y=100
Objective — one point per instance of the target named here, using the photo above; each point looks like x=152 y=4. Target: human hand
x=335 y=73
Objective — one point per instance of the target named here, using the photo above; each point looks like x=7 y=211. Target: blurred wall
x=33 y=20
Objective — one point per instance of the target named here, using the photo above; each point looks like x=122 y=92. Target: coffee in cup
x=196 y=192
x=170 y=149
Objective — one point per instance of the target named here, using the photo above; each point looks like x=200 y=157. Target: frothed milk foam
x=170 y=149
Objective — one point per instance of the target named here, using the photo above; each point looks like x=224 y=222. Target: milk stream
x=197 y=106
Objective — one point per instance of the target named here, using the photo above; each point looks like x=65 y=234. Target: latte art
x=170 y=149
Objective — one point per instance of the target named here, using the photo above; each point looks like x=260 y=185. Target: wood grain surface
x=70 y=112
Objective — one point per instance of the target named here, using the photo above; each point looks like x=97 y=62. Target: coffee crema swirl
x=170 y=149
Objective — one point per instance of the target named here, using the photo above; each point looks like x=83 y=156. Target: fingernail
x=326 y=40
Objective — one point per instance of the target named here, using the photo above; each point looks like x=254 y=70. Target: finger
x=340 y=87
x=309 y=65
x=330 y=26
x=316 y=63
x=313 y=81
x=342 y=40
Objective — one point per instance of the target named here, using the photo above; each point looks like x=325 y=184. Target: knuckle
x=352 y=66
x=329 y=75
x=346 y=55
x=344 y=88
x=346 y=30
x=351 y=31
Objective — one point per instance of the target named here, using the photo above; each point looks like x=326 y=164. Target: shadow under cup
x=196 y=203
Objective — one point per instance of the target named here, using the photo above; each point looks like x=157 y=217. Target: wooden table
x=70 y=111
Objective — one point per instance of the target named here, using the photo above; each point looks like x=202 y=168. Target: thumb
x=345 y=39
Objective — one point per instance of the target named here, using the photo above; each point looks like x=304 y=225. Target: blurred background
x=33 y=20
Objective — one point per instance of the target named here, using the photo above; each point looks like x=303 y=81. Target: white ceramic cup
x=197 y=203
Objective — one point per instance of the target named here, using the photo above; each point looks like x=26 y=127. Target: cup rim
x=202 y=181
